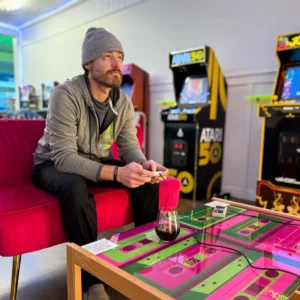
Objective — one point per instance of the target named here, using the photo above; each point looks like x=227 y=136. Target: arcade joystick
x=155 y=174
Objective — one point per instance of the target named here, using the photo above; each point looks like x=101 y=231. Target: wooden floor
x=186 y=205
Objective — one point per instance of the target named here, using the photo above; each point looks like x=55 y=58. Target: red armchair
x=30 y=219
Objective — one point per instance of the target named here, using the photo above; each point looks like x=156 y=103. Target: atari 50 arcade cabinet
x=194 y=128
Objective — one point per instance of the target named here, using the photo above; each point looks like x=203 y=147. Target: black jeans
x=78 y=206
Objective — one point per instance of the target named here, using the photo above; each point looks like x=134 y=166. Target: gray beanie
x=96 y=42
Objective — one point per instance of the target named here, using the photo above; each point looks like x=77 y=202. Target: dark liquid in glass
x=167 y=235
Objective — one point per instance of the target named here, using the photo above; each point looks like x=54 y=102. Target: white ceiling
x=32 y=10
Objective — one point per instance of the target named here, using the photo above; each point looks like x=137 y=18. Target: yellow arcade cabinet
x=194 y=127
x=278 y=186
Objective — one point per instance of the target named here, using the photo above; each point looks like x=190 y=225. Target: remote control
x=155 y=174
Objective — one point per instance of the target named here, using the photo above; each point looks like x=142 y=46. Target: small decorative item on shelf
x=3 y=115
x=33 y=101
x=12 y=104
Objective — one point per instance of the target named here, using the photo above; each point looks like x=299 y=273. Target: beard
x=111 y=79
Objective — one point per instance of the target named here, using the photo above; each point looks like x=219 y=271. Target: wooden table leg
x=74 y=277
x=132 y=287
x=296 y=296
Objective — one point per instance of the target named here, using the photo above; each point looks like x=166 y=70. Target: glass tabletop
x=211 y=257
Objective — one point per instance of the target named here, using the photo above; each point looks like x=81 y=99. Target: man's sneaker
x=97 y=292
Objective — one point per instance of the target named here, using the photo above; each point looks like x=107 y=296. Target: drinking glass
x=167 y=225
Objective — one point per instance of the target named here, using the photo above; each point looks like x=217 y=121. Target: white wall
x=243 y=134
x=242 y=33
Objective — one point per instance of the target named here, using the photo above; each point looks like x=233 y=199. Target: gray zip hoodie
x=72 y=139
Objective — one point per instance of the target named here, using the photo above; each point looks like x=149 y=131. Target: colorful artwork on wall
x=7 y=75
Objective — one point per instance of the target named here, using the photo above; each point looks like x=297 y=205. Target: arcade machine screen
x=194 y=92
x=25 y=93
x=289 y=142
x=127 y=88
x=127 y=85
x=291 y=87
x=47 y=89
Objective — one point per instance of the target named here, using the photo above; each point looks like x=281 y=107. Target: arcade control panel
x=289 y=148
x=179 y=153
x=179 y=114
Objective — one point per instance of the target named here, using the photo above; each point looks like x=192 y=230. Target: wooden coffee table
x=142 y=268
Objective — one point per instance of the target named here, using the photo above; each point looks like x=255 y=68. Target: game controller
x=155 y=174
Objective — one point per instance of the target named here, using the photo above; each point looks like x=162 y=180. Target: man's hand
x=151 y=165
x=133 y=175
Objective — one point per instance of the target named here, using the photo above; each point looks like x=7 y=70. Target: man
x=86 y=114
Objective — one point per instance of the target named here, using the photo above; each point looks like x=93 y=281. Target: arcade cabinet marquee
x=278 y=186
x=194 y=128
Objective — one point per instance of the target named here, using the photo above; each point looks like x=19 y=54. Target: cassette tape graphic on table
x=202 y=217
x=283 y=241
x=208 y=272
x=137 y=243
x=262 y=232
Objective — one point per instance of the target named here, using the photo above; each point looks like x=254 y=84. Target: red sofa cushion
x=30 y=219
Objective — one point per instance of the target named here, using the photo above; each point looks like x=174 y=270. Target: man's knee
x=149 y=192
x=152 y=188
x=73 y=192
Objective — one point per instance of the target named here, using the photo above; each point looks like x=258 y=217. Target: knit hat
x=96 y=42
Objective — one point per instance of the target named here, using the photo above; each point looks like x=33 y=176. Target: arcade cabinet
x=27 y=97
x=136 y=86
x=194 y=128
x=278 y=186
x=47 y=89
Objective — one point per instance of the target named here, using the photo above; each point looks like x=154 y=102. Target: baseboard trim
x=240 y=193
